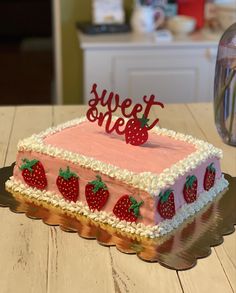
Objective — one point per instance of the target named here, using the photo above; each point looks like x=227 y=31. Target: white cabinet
x=180 y=71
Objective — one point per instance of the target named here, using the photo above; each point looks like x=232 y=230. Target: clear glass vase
x=225 y=87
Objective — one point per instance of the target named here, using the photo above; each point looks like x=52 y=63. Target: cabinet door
x=173 y=76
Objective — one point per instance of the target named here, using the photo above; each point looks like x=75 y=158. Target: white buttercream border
x=140 y=229
x=147 y=181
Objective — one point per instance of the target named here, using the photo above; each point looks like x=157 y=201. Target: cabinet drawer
x=172 y=78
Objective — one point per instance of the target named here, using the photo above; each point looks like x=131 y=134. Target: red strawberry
x=127 y=208
x=136 y=131
x=68 y=184
x=33 y=173
x=190 y=189
x=209 y=178
x=96 y=194
x=166 y=204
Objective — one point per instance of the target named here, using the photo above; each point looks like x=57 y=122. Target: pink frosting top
x=112 y=149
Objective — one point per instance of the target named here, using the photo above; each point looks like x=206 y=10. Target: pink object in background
x=193 y=8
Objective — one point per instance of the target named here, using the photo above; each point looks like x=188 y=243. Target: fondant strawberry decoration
x=190 y=189
x=96 y=194
x=136 y=131
x=166 y=204
x=68 y=184
x=33 y=173
x=127 y=208
x=209 y=178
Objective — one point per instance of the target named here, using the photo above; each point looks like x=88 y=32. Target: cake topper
x=134 y=124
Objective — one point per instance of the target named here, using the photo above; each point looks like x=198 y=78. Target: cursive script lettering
x=111 y=102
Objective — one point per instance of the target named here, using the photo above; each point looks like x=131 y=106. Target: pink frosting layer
x=159 y=153
x=177 y=188
x=148 y=210
x=116 y=188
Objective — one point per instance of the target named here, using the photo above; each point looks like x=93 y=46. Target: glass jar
x=225 y=87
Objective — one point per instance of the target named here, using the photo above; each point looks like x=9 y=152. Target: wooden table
x=38 y=258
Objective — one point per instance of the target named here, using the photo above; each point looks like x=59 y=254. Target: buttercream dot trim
x=140 y=229
x=146 y=181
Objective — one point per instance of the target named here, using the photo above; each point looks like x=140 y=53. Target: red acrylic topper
x=135 y=129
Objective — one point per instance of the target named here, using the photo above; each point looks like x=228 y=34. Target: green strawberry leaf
x=190 y=180
x=67 y=174
x=135 y=206
x=28 y=164
x=164 y=196
x=143 y=121
x=98 y=184
x=187 y=181
x=160 y=195
x=133 y=200
x=211 y=168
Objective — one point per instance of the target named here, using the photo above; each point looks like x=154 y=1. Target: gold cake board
x=178 y=250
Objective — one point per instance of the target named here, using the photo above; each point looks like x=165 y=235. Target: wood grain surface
x=38 y=258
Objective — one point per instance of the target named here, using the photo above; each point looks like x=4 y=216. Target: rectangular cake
x=147 y=190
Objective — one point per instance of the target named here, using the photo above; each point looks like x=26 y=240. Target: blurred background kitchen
x=52 y=51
